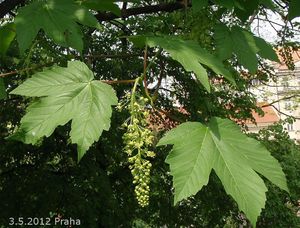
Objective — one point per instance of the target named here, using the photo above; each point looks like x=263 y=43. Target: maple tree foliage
x=91 y=72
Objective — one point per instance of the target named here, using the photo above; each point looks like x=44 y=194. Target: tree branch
x=8 y=5
x=281 y=99
x=3 y=75
x=145 y=72
x=93 y=56
x=110 y=82
x=297 y=118
x=163 y=7
x=113 y=56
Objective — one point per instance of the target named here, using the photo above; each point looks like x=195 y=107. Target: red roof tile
x=270 y=116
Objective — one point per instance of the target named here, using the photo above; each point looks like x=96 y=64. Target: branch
x=24 y=70
x=8 y=5
x=297 y=118
x=281 y=99
x=275 y=23
x=9 y=73
x=145 y=72
x=33 y=68
x=110 y=82
x=164 y=7
x=122 y=26
x=279 y=4
x=94 y=56
x=113 y=56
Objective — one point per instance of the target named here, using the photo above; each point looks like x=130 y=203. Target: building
x=281 y=96
x=270 y=117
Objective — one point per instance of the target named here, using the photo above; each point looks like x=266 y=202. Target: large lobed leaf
x=67 y=94
x=58 y=19
x=244 y=44
x=190 y=160
x=236 y=159
x=189 y=54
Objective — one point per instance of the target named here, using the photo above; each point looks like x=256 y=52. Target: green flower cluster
x=138 y=139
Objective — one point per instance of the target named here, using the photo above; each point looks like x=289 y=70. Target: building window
x=285 y=85
x=255 y=82
x=290 y=127
x=288 y=105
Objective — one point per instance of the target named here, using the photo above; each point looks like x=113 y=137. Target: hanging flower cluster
x=138 y=141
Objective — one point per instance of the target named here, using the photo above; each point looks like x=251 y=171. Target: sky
x=266 y=29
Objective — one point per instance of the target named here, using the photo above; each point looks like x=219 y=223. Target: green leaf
x=7 y=35
x=224 y=44
x=190 y=160
x=243 y=44
x=67 y=94
x=294 y=9
x=103 y=5
x=58 y=19
x=265 y=49
x=257 y=155
x=2 y=89
x=245 y=48
x=189 y=54
x=236 y=159
x=238 y=41
x=247 y=8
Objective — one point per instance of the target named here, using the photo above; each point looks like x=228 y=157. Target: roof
x=270 y=115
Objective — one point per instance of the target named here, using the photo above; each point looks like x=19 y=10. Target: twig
x=23 y=70
x=275 y=23
x=297 y=118
x=110 y=82
x=281 y=99
x=125 y=13
x=113 y=56
x=33 y=68
x=121 y=26
x=9 y=73
x=94 y=56
x=145 y=73
x=279 y=4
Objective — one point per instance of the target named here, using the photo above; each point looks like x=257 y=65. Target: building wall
x=287 y=85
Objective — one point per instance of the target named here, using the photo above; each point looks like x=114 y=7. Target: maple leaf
x=236 y=159
x=66 y=94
